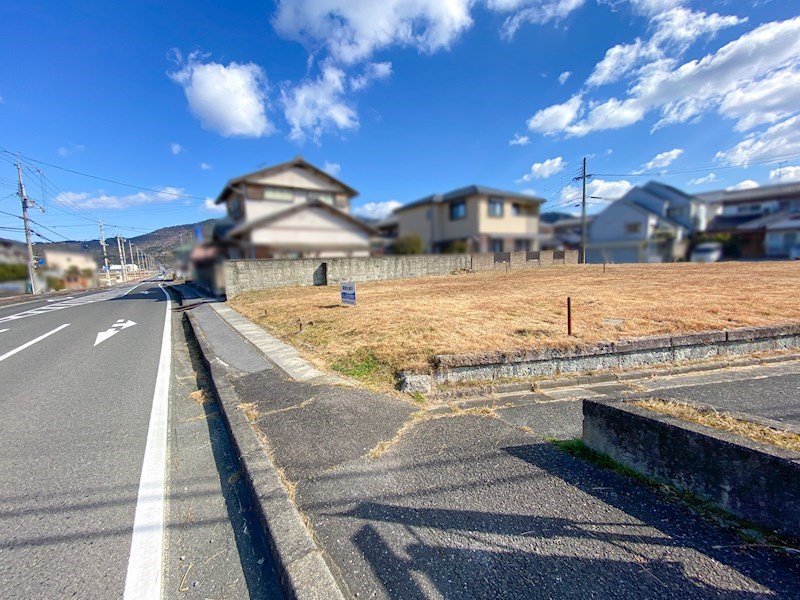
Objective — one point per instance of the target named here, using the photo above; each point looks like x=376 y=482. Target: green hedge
x=13 y=272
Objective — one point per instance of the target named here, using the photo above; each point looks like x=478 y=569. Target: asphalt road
x=76 y=409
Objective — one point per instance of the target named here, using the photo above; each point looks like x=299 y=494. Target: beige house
x=291 y=210
x=475 y=218
x=62 y=262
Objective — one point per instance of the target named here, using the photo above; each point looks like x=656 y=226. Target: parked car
x=794 y=252
x=707 y=252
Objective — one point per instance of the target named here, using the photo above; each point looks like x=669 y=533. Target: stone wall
x=621 y=354
x=757 y=482
x=250 y=275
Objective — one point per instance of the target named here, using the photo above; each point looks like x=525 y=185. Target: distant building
x=477 y=218
x=12 y=252
x=762 y=221
x=61 y=261
x=290 y=210
x=648 y=224
x=561 y=231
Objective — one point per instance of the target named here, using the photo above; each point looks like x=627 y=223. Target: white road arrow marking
x=113 y=330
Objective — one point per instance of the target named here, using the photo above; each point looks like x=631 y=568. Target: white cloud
x=752 y=79
x=533 y=11
x=230 y=100
x=747 y=184
x=519 y=140
x=214 y=208
x=377 y=210
x=70 y=149
x=205 y=166
x=605 y=191
x=545 y=169
x=372 y=72
x=782 y=139
x=332 y=168
x=711 y=177
x=318 y=105
x=562 y=79
x=175 y=148
x=663 y=159
x=556 y=118
x=352 y=30
x=785 y=174
x=102 y=201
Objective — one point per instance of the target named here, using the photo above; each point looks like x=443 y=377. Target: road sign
x=348 y=291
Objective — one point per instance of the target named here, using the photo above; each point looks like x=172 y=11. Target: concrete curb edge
x=302 y=568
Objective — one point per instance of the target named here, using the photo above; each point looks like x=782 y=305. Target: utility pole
x=780 y=169
x=121 y=250
x=105 y=255
x=130 y=251
x=24 y=199
x=583 y=177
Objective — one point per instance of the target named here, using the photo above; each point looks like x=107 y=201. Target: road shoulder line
x=143 y=579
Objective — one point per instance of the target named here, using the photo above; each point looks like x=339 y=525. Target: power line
x=130 y=185
x=700 y=169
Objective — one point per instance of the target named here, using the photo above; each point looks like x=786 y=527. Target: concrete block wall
x=249 y=275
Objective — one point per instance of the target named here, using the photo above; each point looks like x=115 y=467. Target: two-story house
x=762 y=221
x=290 y=210
x=651 y=223
x=473 y=219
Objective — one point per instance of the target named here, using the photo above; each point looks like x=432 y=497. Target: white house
x=290 y=210
x=648 y=224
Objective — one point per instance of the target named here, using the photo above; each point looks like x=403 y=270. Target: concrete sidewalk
x=468 y=501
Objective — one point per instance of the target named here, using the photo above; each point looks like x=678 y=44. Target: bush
x=408 y=244
x=13 y=272
x=457 y=247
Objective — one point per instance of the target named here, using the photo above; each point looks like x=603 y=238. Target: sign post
x=348 y=291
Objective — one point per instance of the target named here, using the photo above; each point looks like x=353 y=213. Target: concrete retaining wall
x=757 y=482
x=622 y=354
x=249 y=275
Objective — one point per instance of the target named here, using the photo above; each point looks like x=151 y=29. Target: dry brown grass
x=401 y=324
x=724 y=421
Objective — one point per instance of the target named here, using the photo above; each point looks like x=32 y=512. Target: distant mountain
x=553 y=216
x=159 y=243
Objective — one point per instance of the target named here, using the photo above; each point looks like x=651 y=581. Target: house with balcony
x=289 y=210
x=473 y=219
x=760 y=222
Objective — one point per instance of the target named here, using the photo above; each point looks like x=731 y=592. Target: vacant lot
x=401 y=324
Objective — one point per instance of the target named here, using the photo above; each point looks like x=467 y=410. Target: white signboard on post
x=348 y=291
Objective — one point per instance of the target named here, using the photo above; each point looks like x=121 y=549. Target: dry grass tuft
x=201 y=397
x=402 y=324
x=723 y=421
x=249 y=409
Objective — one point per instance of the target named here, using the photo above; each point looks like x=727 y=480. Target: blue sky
x=398 y=98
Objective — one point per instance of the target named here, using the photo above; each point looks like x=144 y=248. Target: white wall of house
x=297 y=178
x=312 y=228
x=620 y=222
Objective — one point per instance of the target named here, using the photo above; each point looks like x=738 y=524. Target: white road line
x=32 y=342
x=4 y=330
x=143 y=580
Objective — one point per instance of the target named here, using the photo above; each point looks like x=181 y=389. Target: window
x=280 y=194
x=495 y=207
x=326 y=198
x=633 y=227
x=521 y=245
x=495 y=245
x=458 y=210
x=516 y=210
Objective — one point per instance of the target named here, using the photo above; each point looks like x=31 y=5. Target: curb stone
x=301 y=565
